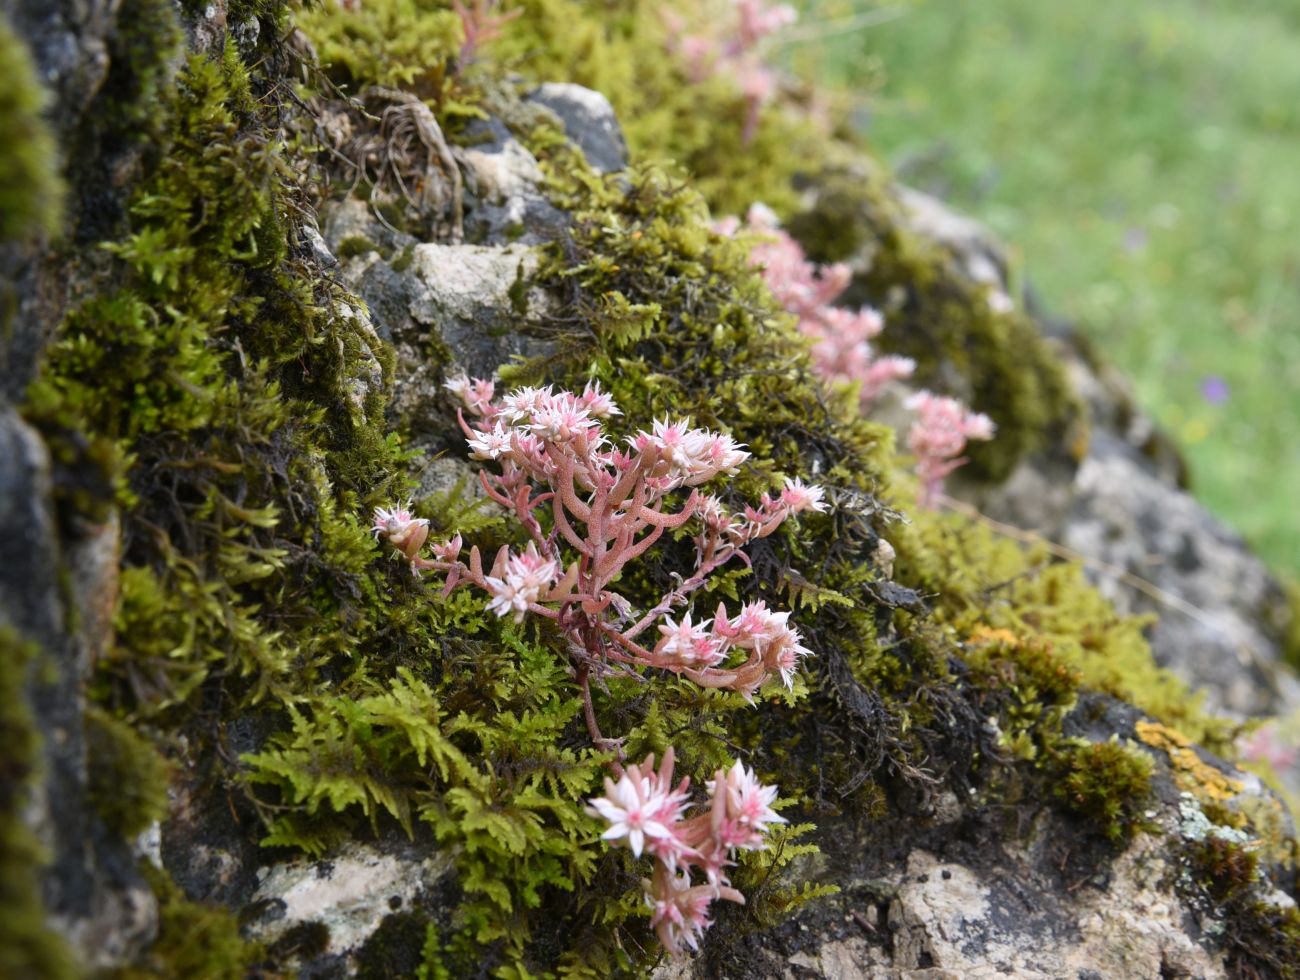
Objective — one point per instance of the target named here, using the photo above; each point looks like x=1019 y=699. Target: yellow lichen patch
x=1190 y=771
x=988 y=634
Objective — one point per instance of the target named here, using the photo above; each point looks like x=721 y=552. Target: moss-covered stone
x=237 y=397
x=194 y=940
x=1262 y=936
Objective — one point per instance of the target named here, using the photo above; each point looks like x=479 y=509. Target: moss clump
x=27 y=946
x=622 y=52
x=194 y=940
x=31 y=193
x=226 y=371
x=982 y=582
x=1291 y=643
x=1109 y=783
x=127 y=776
x=1262 y=938
x=355 y=245
x=235 y=396
x=407 y=44
x=396 y=948
x=1028 y=688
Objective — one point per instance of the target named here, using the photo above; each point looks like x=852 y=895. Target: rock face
x=959 y=897
x=92 y=889
x=969 y=878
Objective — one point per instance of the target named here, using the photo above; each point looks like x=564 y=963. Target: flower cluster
x=735 y=54
x=1269 y=744
x=939 y=435
x=842 y=349
x=607 y=504
x=646 y=812
x=841 y=338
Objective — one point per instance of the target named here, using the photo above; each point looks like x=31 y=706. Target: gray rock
x=69 y=42
x=503 y=196
x=588 y=120
x=428 y=300
x=1218 y=598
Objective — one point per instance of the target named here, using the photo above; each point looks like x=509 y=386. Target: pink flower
x=641 y=806
x=733 y=51
x=746 y=806
x=525 y=578
x=559 y=422
x=521 y=403
x=1265 y=745
x=680 y=909
x=724 y=455
x=475 y=395
x=784 y=652
x=448 y=551
x=597 y=403
x=799 y=496
x=753 y=624
x=490 y=444
x=403 y=531
x=939 y=435
x=758 y=20
x=841 y=348
x=689 y=644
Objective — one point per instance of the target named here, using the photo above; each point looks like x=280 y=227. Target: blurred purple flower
x=1214 y=389
x=1135 y=240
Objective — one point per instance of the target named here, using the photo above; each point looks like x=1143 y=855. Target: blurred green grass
x=1143 y=161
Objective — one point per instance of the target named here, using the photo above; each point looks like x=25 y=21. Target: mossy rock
x=236 y=399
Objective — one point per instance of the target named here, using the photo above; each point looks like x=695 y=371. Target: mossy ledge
x=275 y=689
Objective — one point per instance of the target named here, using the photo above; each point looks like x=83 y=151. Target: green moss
x=1028 y=688
x=31 y=193
x=145 y=52
x=1291 y=643
x=1109 y=783
x=621 y=51
x=406 y=44
x=395 y=949
x=127 y=777
x=1262 y=939
x=981 y=582
x=220 y=366
x=194 y=940
x=355 y=245
x=28 y=948
x=304 y=941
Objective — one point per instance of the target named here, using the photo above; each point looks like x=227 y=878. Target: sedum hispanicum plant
x=842 y=349
x=589 y=508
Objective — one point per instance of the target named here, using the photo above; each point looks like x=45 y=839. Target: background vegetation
x=1141 y=159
